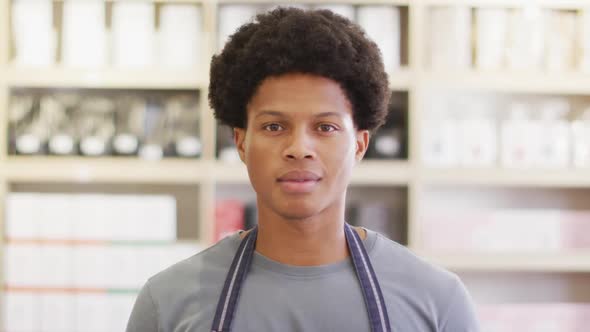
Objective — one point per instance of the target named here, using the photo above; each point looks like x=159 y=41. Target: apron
x=226 y=307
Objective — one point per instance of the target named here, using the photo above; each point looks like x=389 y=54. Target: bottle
x=517 y=137
x=580 y=135
x=478 y=136
x=553 y=140
x=96 y=126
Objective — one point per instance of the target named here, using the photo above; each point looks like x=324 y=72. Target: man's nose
x=300 y=145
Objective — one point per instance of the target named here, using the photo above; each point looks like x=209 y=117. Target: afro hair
x=291 y=40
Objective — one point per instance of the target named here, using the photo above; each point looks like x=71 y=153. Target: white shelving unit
x=414 y=77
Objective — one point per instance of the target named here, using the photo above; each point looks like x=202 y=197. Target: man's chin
x=299 y=212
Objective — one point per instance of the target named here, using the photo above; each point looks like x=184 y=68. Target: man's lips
x=299 y=176
x=298 y=182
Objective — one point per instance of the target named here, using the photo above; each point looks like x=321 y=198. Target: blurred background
x=112 y=166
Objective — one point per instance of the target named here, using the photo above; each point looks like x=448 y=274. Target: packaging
x=561 y=32
x=57 y=312
x=340 y=9
x=450 y=37
x=440 y=137
x=478 y=135
x=491 y=37
x=22 y=266
x=229 y=218
x=526 y=40
x=518 y=137
x=20 y=312
x=584 y=39
x=231 y=17
x=553 y=141
x=580 y=129
x=35 y=37
x=21 y=221
x=181 y=36
x=134 y=36
x=383 y=25
x=84 y=34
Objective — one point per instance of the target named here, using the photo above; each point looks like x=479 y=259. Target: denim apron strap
x=376 y=308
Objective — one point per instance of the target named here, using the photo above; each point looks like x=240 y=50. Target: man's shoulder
x=401 y=263
x=202 y=266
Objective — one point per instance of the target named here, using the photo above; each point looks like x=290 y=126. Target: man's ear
x=239 y=138
x=362 y=144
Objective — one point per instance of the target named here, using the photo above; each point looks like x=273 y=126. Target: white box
x=84 y=33
x=584 y=39
x=123 y=267
x=120 y=306
x=526 y=40
x=57 y=312
x=340 y=9
x=180 y=36
x=91 y=267
x=231 y=17
x=21 y=216
x=580 y=130
x=21 y=312
x=56 y=265
x=383 y=25
x=158 y=222
x=92 y=313
x=561 y=32
x=134 y=35
x=450 y=37
x=34 y=34
x=22 y=265
x=519 y=138
x=90 y=217
x=491 y=36
x=54 y=216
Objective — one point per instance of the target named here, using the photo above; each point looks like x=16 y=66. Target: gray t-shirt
x=279 y=297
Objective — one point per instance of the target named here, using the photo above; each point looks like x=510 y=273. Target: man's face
x=300 y=144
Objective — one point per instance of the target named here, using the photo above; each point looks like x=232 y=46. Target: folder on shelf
x=21 y=311
x=33 y=32
x=180 y=36
x=133 y=28
x=383 y=25
x=84 y=33
x=491 y=37
x=231 y=17
x=450 y=37
x=57 y=311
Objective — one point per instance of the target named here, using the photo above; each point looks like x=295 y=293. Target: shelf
x=510 y=81
x=315 y=2
x=567 y=178
x=401 y=79
x=102 y=170
x=513 y=262
x=560 y=4
x=105 y=78
x=382 y=173
x=231 y=173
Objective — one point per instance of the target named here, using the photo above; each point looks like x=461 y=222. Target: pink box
x=510 y=230
x=546 y=317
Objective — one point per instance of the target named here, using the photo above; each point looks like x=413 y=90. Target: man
x=302 y=90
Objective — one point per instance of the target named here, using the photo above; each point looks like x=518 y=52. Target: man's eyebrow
x=282 y=114
x=327 y=114
x=273 y=113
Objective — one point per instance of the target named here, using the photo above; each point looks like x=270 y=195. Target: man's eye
x=273 y=127
x=326 y=128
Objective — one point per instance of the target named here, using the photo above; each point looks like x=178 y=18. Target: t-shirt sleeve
x=460 y=315
x=144 y=316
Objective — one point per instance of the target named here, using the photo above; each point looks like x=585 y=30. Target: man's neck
x=303 y=242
